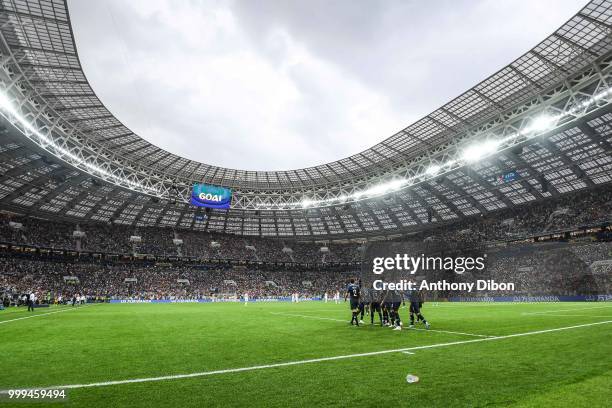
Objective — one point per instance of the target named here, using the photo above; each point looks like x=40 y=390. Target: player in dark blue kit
x=375 y=300
x=416 y=302
x=364 y=301
x=371 y=300
x=353 y=292
x=392 y=301
x=386 y=311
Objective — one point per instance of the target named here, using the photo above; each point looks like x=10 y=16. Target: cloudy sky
x=272 y=85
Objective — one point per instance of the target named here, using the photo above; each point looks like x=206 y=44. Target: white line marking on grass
x=309 y=361
x=577 y=309
x=407 y=352
x=346 y=321
x=452 y=332
x=43 y=314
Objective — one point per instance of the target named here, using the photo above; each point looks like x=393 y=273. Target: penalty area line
x=309 y=361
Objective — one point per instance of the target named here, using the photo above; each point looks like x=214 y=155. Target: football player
x=353 y=292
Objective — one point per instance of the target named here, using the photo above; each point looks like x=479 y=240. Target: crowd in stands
x=571 y=210
x=558 y=268
x=567 y=212
x=116 y=239
x=162 y=280
x=555 y=268
x=281 y=268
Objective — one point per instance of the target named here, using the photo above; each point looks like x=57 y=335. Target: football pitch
x=306 y=354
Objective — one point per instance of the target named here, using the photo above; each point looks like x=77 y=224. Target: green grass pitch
x=103 y=343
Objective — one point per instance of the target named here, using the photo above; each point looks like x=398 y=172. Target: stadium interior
x=520 y=165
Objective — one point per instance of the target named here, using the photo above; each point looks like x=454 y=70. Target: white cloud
x=278 y=85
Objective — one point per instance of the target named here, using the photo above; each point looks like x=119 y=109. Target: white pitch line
x=309 y=361
x=43 y=314
x=452 y=332
x=407 y=352
x=345 y=321
x=578 y=309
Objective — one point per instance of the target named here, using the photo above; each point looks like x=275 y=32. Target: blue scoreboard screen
x=206 y=195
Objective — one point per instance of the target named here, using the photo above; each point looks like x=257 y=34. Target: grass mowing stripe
x=344 y=321
x=572 y=315
x=577 y=309
x=309 y=361
x=43 y=314
x=308 y=317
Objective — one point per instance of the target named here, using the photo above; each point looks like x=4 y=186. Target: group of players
x=385 y=303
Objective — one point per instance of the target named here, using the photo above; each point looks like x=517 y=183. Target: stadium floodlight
x=376 y=190
x=306 y=203
x=542 y=123
x=480 y=150
x=433 y=170
x=385 y=188
x=5 y=103
x=396 y=184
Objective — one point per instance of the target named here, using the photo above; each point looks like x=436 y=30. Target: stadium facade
x=537 y=129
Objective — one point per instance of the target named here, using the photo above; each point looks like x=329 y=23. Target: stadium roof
x=547 y=115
